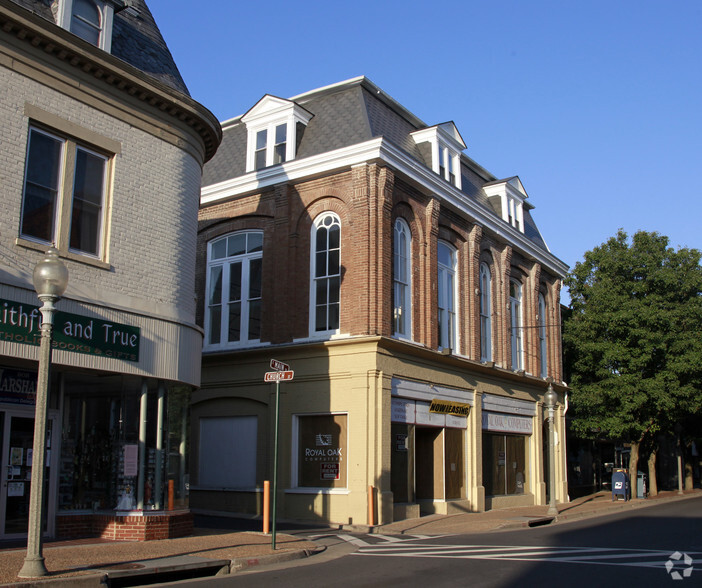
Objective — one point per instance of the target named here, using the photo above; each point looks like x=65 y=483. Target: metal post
x=50 y=278
x=552 y=509
x=275 y=461
x=680 y=464
x=34 y=566
x=550 y=400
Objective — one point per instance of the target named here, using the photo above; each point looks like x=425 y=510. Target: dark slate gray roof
x=136 y=40
x=346 y=114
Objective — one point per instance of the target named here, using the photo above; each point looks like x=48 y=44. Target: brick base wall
x=146 y=527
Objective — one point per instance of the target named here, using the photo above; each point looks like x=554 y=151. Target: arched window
x=543 y=347
x=517 y=336
x=86 y=21
x=447 y=296
x=326 y=274
x=402 y=281
x=233 y=311
x=485 y=313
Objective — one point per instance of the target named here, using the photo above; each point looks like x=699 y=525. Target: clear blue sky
x=594 y=105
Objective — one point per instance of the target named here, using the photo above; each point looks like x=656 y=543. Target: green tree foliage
x=634 y=337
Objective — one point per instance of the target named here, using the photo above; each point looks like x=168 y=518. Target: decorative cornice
x=63 y=46
x=382 y=150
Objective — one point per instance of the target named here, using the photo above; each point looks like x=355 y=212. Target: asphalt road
x=656 y=546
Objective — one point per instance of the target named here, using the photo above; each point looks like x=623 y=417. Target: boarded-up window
x=228 y=452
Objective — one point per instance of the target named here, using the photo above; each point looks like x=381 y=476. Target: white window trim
x=453 y=338
x=516 y=308
x=271 y=112
x=543 y=337
x=243 y=329
x=313 y=333
x=406 y=304
x=485 y=333
x=512 y=197
x=106 y=8
x=444 y=139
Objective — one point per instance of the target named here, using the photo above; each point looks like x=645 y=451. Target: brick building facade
x=410 y=292
x=101 y=156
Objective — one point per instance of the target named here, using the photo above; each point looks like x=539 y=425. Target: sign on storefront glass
x=21 y=323
x=322 y=451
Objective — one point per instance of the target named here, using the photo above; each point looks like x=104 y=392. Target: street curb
x=101 y=579
x=243 y=563
x=87 y=581
x=625 y=505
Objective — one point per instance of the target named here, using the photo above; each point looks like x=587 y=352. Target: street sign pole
x=275 y=458
x=282 y=372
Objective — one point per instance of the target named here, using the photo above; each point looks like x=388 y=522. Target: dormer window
x=508 y=197
x=91 y=20
x=446 y=145
x=273 y=128
x=86 y=21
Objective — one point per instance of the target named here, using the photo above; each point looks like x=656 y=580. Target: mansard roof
x=136 y=39
x=350 y=113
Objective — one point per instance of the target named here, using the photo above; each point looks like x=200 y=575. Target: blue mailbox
x=620 y=485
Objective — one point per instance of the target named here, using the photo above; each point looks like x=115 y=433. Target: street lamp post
x=50 y=280
x=551 y=400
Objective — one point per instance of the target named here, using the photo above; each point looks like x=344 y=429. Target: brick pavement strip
x=76 y=559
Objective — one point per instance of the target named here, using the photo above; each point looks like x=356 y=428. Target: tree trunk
x=689 y=478
x=652 y=483
x=634 y=466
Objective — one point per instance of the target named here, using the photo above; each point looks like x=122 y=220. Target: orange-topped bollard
x=171 y=494
x=266 y=506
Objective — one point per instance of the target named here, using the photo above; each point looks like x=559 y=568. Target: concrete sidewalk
x=92 y=562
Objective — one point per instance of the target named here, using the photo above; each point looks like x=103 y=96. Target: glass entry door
x=17 y=436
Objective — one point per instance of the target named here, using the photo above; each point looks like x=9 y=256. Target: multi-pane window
x=402 y=286
x=448 y=163
x=447 y=296
x=86 y=21
x=260 y=152
x=326 y=273
x=269 y=152
x=485 y=313
x=281 y=135
x=543 y=353
x=233 y=313
x=517 y=335
x=64 y=183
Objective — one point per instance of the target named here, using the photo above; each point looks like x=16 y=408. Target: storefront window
x=178 y=447
x=321 y=451
x=504 y=464
x=99 y=464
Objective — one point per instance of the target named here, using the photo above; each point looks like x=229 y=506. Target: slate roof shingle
x=136 y=39
x=347 y=114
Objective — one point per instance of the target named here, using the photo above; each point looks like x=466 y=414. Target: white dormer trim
x=107 y=11
x=512 y=196
x=446 y=147
x=266 y=116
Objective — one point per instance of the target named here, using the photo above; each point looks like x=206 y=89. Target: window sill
x=226 y=489
x=326 y=336
x=237 y=347
x=36 y=246
x=317 y=491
